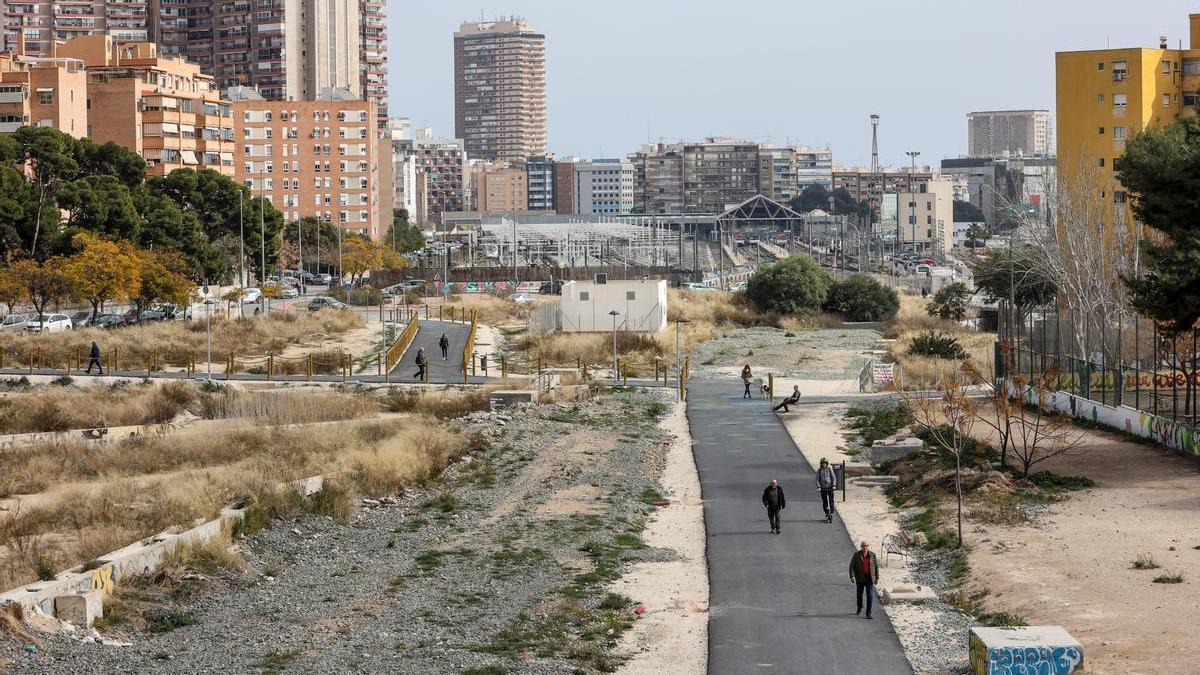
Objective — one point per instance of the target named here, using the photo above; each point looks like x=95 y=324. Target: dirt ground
x=1075 y=569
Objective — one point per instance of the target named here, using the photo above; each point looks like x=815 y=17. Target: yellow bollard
x=308 y=371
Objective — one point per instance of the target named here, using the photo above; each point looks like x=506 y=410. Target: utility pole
x=912 y=156
x=241 y=252
x=262 y=243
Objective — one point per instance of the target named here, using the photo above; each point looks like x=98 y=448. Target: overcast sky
x=620 y=72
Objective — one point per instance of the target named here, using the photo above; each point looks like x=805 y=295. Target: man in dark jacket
x=790 y=400
x=444 y=343
x=826 y=483
x=421 y=364
x=94 y=359
x=864 y=572
x=774 y=501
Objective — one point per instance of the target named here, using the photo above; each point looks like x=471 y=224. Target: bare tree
x=1082 y=240
x=1004 y=411
x=948 y=418
x=1040 y=431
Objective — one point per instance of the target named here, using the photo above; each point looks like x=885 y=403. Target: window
x=1101 y=131
x=1166 y=100
x=1101 y=161
x=1100 y=98
x=631 y=295
x=1116 y=164
x=1100 y=65
x=1120 y=71
x=1118 y=133
x=584 y=296
x=1119 y=197
x=1166 y=67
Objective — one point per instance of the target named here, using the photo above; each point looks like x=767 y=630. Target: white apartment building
x=604 y=186
x=926 y=217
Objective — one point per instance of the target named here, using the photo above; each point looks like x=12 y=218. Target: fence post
x=31 y=353
x=76 y=358
x=770 y=388
x=504 y=369
x=308 y=369
x=270 y=366
x=343 y=360
x=229 y=367
x=425 y=373
x=115 y=366
x=439 y=312
x=380 y=365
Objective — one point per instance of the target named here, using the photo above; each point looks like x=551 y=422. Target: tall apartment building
x=163 y=108
x=325 y=158
x=287 y=49
x=604 y=187
x=500 y=89
x=993 y=183
x=38 y=23
x=814 y=166
x=1010 y=133
x=44 y=92
x=441 y=165
x=1105 y=96
x=864 y=184
x=564 y=186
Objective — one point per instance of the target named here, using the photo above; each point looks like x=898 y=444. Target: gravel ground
x=503 y=563
x=831 y=354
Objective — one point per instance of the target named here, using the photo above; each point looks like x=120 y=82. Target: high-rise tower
x=500 y=89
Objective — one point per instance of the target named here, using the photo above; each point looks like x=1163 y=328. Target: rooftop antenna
x=874 y=143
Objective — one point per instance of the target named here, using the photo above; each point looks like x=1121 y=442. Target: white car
x=251 y=296
x=13 y=323
x=49 y=323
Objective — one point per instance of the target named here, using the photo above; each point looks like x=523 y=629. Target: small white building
x=584 y=307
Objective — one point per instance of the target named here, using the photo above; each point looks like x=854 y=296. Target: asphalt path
x=778 y=603
x=430 y=332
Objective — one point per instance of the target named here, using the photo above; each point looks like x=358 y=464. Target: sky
x=620 y=73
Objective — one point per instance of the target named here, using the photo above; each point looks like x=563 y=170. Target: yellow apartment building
x=1106 y=96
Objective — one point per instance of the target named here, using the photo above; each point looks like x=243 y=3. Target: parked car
x=251 y=295
x=108 y=321
x=81 y=319
x=49 y=323
x=132 y=317
x=694 y=286
x=551 y=287
x=522 y=298
x=324 y=279
x=322 y=301
x=13 y=323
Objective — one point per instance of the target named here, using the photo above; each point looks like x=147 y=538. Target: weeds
x=1169 y=579
x=276 y=661
x=1001 y=620
x=45 y=568
x=872 y=424
x=1145 y=561
x=167 y=620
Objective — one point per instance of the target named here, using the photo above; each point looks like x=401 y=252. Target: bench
x=897 y=544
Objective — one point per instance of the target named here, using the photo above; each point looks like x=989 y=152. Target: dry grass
x=106 y=497
x=493 y=310
x=279 y=407
x=924 y=372
x=173 y=343
x=443 y=404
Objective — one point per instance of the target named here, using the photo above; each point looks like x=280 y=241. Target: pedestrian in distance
x=826 y=483
x=483 y=364
x=444 y=343
x=422 y=363
x=864 y=572
x=774 y=500
x=793 y=399
x=747 y=379
x=94 y=359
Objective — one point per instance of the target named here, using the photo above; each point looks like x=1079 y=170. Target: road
x=778 y=603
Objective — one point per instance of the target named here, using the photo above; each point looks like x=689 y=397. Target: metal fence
x=1120 y=361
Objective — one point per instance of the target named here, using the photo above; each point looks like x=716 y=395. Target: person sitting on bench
x=790 y=400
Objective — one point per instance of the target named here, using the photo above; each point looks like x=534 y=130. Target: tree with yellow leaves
x=361 y=255
x=43 y=283
x=12 y=290
x=100 y=271
x=160 y=278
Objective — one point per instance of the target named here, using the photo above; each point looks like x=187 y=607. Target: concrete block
x=891 y=449
x=1028 y=649
x=907 y=593
x=509 y=398
x=80 y=609
x=854 y=469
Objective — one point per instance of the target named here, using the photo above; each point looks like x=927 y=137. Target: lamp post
x=262 y=244
x=241 y=252
x=912 y=221
x=208 y=326
x=614 y=314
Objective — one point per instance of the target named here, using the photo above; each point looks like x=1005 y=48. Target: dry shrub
x=924 y=372
x=493 y=310
x=443 y=404
x=66 y=408
x=12 y=624
x=286 y=407
x=174 y=343
x=155 y=483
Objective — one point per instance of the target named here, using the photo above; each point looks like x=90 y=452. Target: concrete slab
x=907 y=593
x=894 y=448
x=1027 y=649
x=508 y=398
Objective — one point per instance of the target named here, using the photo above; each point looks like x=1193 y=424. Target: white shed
x=641 y=306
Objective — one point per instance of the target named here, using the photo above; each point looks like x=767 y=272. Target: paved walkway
x=439 y=371
x=778 y=604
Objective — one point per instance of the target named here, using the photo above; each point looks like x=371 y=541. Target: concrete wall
x=642 y=305
x=1160 y=429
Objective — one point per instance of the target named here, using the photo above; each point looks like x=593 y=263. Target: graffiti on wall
x=102 y=580
x=1024 y=660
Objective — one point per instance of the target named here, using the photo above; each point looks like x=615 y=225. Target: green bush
x=874 y=424
x=950 y=302
x=794 y=285
x=937 y=344
x=860 y=297
x=1055 y=482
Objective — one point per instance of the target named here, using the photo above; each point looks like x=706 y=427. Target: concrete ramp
x=443 y=371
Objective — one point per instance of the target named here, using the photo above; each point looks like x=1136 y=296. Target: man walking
x=774 y=501
x=826 y=483
x=94 y=360
x=864 y=572
x=421 y=364
x=444 y=343
x=790 y=400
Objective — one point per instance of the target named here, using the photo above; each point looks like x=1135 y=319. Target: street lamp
x=912 y=221
x=614 y=314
